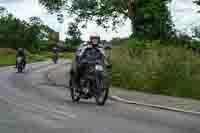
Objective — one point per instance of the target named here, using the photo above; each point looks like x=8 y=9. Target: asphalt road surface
x=29 y=104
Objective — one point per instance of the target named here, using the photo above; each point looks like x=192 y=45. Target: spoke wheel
x=102 y=95
x=73 y=90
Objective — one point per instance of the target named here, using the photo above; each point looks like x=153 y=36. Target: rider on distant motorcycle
x=20 y=53
x=55 y=50
x=83 y=53
x=55 y=53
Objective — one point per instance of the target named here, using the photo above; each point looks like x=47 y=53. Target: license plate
x=99 y=67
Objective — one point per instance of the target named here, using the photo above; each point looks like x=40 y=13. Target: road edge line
x=117 y=98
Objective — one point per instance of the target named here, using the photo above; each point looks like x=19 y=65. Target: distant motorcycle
x=55 y=59
x=20 y=65
x=93 y=83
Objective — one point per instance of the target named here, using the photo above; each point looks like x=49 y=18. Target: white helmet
x=94 y=39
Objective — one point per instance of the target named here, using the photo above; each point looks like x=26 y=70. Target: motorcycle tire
x=74 y=95
x=103 y=96
x=19 y=70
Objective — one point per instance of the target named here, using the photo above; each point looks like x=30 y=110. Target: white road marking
x=117 y=98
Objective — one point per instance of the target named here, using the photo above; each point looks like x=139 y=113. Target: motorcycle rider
x=55 y=52
x=77 y=66
x=20 y=53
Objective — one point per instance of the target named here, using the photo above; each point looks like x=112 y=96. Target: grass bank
x=155 y=68
x=7 y=56
x=6 y=60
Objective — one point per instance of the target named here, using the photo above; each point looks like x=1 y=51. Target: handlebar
x=90 y=62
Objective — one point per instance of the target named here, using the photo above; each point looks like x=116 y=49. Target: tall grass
x=8 y=56
x=154 y=68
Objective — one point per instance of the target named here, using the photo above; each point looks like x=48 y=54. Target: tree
x=197 y=2
x=73 y=31
x=3 y=11
x=16 y=33
x=196 y=32
x=74 y=35
x=39 y=27
x=35 y=21
x=150 y=18
x=153 y=19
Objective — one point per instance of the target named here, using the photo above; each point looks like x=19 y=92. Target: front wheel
x=19 y=69
x=101 y=99
x=103 y=92
x=73 y=91
x=55 y=61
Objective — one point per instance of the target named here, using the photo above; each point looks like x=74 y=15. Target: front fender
x=99 y=79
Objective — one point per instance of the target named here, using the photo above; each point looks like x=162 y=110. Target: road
x=30 y=104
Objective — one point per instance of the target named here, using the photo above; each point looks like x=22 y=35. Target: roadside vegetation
x=8 y=57
x=32 y=35
x=156 y=68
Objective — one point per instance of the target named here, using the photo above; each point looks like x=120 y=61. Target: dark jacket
x=20 y=54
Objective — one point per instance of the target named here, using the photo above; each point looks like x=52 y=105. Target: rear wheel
x=73 y=91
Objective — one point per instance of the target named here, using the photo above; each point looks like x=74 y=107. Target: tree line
x=15 y=33
x=151 y=19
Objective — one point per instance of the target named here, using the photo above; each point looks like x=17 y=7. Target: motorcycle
x=20 y=65
x=93 y=83
x=55 y=59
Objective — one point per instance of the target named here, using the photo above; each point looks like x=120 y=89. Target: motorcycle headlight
x=99 y=67
x=19 y=59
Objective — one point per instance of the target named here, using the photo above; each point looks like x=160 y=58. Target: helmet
x=20 y=50
x=94 y=39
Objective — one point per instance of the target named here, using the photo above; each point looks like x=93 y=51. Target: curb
x=117 y=98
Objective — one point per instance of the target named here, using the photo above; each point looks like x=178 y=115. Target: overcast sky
x=183 y=12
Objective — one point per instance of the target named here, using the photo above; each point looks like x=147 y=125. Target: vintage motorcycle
x=93 y=82
x=55 y=58
x=20 y=65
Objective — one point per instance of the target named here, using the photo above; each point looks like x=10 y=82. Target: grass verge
x=6 y=60
x=154 y=68
x=9 y=58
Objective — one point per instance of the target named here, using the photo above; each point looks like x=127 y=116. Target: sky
x=183 y=13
